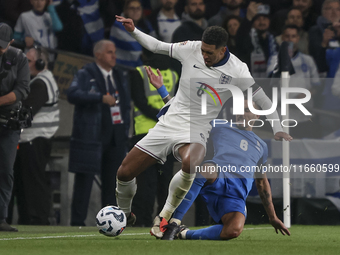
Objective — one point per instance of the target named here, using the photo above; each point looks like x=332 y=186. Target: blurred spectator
x=154 y=181
x=231 y=24
x=70 y=38
x=11 y=10
x=100 y=126
x=165 y=21
x=331 y=102
x=31 y=186
x=229 y=7
x=325 y=34
x=193 y=22
x=336 y=84
x=306 y=76
x=93 y=24
x=128 y=49
x=305 y=6
x=294 y=17
x=254 y=43
x=212 y=7
x=108 y=9
x=37 y=27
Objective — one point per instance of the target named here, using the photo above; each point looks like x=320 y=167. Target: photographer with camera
x=31 y=186
x=14 y=79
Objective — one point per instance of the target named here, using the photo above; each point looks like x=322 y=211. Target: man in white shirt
x=183 y=130
x=306 y=76
x=165 y=21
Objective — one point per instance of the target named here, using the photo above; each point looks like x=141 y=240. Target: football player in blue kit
x=225 y=181
x=236 y=155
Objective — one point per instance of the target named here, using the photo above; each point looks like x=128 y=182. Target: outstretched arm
x=157 y=82
x=265 y=193
x=262 y=100
x=145 y=40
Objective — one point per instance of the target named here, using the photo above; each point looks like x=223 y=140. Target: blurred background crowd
x=71 y=28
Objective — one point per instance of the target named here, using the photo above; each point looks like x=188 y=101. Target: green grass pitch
x=260 y=239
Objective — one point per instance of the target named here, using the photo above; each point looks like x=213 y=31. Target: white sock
x=177 y=221
x=125 y=192
x=178 y=188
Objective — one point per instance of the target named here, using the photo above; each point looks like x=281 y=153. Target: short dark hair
x=128 y=2
x=215 y=35
x=291 y=26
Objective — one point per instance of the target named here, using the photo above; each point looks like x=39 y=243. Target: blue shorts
x=225 y=195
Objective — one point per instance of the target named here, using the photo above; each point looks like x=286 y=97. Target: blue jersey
x=236 y=153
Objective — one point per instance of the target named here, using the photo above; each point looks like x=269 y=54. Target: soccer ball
x=111 y=221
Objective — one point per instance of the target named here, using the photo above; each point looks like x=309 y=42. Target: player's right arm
x=157 y=82
x=264 y=190
x=180 y=51
x=147 y=41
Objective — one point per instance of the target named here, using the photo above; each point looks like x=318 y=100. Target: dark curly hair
x=215 y=35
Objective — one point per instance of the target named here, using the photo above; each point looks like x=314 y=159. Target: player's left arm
x=262 y=100
x=157 y=82
x=263 y=188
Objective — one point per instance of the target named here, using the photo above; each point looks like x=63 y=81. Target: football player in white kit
x=183 y=130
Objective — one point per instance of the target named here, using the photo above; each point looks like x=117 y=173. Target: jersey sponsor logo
x=195 y=66
x=225 y=79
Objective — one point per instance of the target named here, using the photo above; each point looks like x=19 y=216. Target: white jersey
x=185 y=109
x=166 y=26
x=39 y=27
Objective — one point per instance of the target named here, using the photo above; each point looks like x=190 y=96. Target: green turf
x=134 y=241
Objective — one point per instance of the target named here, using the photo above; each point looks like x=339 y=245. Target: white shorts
x=162 y=140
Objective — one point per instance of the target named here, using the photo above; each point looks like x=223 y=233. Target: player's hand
x=109 y=100
x=156 y=81
x=127 y=23
x=279 y=136
x=278 y=225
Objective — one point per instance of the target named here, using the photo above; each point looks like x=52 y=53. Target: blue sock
x=210 y=233
x=190 y=197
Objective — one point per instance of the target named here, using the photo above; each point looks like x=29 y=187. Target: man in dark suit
x=100 y=127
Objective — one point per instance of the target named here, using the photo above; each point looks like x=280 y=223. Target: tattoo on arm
x=265 y=198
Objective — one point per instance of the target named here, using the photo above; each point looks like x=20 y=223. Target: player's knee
x=190 y=163
x=186 y=164
x=123 y=173
x=228 y=234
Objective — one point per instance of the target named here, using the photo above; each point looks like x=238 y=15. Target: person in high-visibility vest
x=155 y=181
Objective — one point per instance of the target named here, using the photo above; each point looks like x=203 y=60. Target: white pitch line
x=54 y=237
x=41 y=237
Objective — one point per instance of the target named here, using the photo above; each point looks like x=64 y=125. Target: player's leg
x=192 y=155
x=179 y=185
x=232 y=227
x=203 y=178
x=134 y=163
